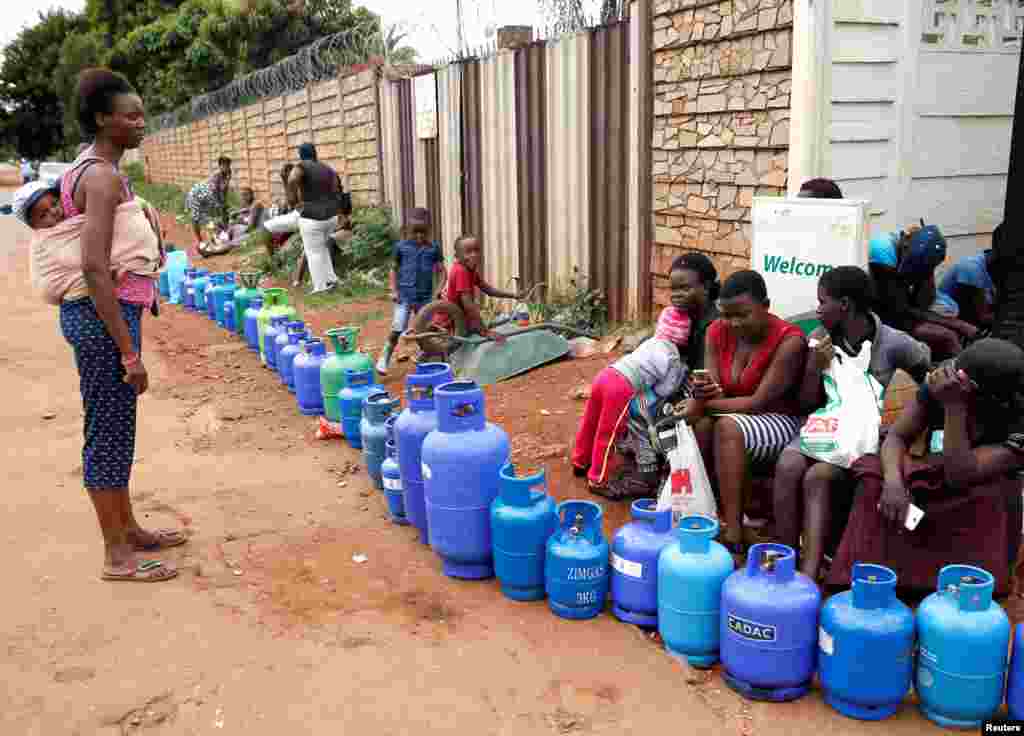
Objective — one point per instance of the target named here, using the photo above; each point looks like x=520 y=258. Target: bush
x=373 y=238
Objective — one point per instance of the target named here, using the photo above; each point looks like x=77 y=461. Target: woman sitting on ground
x=969 y=492
x=844 y=308
x=695 y=288
x=746 y=411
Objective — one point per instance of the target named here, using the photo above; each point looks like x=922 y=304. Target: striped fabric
x=766 y=435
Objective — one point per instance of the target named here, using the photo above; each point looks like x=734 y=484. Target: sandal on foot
x=163 y=539
x=149 y=571
x=578 y=472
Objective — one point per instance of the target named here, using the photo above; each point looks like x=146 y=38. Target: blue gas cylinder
x=215 y=282
x=282 y=341
x=377 y=408
x=963 y=637
x=306 y=369
x=229 y=316
x=769 y=626
x=391 y=476
x=202 y=281
x=358 y=386
x=222 y=294
x=1015 y=678
x=866 y=646
x=270 y=333
x=417 y=421
x=576 y=562
x=286 y=356
x=462 y=460
x=635 y=550
x=177 y=264
x=252 y=338
x=187 y=295
x=691 y=574
x=165 y=284
x=199 y=281
x=523 y=518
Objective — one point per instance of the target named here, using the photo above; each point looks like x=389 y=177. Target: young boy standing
x=417 y=260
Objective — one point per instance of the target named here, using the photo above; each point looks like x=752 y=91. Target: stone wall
x=338 y=115
x=721 y=125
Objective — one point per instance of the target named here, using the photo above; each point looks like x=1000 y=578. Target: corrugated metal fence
x=535 y=154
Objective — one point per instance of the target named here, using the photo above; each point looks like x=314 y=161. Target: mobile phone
x=914 y=516
x=701 y=375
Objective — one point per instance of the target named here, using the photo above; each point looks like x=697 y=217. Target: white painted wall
x=916 y=113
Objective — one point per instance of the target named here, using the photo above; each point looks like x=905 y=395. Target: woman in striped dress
x=746 y=410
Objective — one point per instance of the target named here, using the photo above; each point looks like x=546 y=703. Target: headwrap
x=673 y=325
x=882 y=251
x=927 y=251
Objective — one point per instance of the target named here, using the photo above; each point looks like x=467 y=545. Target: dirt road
x=273 y=628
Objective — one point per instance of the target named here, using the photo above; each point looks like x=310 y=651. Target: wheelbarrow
x=481 y=359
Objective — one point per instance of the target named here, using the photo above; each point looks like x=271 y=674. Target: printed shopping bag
x=687 y=490
x=847 y=427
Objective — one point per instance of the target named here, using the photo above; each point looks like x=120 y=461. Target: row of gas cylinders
x=765 y=622
x=446 y=471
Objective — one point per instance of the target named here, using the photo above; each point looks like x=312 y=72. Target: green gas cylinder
x=275 y=304
x=243 y=296
x=333 y=370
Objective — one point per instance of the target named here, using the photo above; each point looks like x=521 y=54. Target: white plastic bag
x=687 y=490
x=847 y=427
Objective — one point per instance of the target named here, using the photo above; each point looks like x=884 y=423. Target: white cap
x=27 y=196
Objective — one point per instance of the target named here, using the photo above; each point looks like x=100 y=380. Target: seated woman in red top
x=745 y=409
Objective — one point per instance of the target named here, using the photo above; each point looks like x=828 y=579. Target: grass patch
x=349 y=290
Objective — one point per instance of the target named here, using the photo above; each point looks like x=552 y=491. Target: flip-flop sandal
x=149 y=571
x=165 y=539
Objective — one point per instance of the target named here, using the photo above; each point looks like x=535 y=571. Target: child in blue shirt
x=417 y=259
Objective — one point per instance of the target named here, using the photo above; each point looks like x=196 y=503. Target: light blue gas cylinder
x=691 y=573
x=963 y=637
x=523 y=518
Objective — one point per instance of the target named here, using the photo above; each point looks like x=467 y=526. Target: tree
x=171 y=50
x=35 y=124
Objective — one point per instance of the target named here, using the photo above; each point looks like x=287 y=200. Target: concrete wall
x=339 y=115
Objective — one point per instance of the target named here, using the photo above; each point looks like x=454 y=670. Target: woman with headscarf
x=972 y=409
